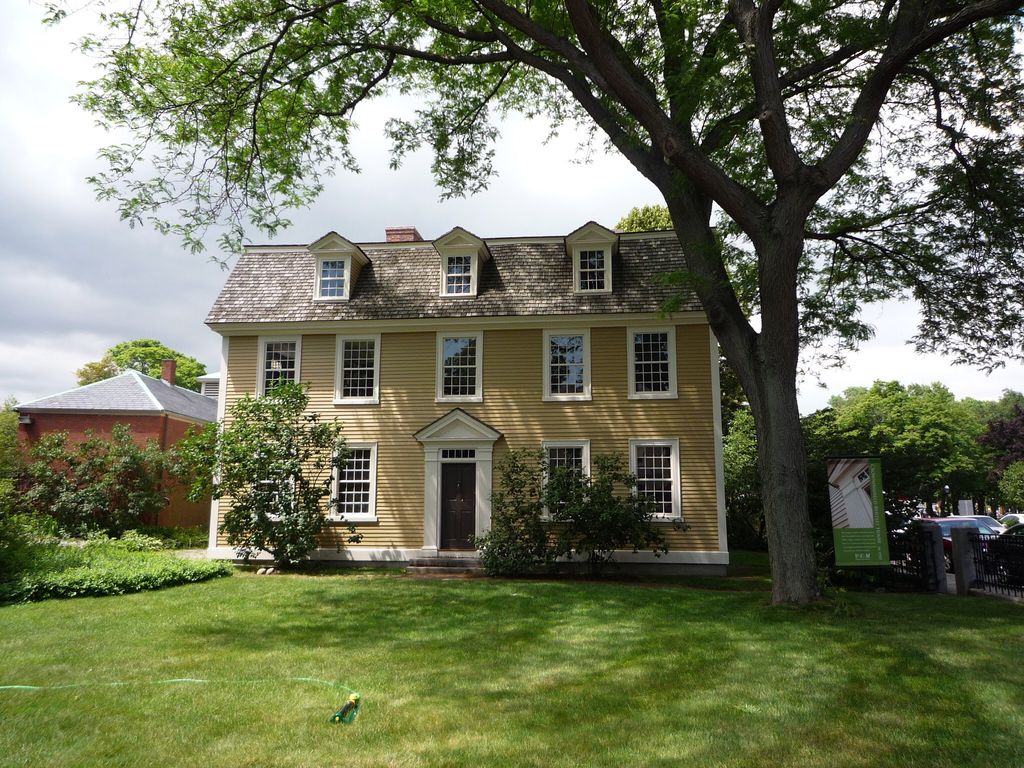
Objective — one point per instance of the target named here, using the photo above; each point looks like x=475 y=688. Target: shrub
x=195 y=537
x=597 y=515
x=98 y=484
x=517 y=543
x=130 y=541
x=275 y=464
x=102 y=568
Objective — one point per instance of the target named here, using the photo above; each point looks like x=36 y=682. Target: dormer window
x=594 y=270
x=462 y=254
x=338 y=263
x=458 y=275
x=332 y=279
x=591 y=248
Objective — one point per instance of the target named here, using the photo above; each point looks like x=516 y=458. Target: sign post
x=858 y=511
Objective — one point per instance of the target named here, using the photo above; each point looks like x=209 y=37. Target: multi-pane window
x=568 y=456
x=457 y=453
x=592 y=270
x=567 y=371
x=358 y=360
x=652 y=353
x=355 y=491
x=332 y=279
x=458 y=367
x=650 y=362
x=655 y=466
x=280 y=363
x=458 y=275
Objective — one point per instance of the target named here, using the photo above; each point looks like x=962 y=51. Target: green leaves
x=275 y=463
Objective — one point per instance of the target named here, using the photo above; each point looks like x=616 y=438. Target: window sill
x=357 y=401
x=334 y=520
x=653 y=395
x=457 y=295
x=450 y=399
x=666 y=518
x=568 y=398
x=593 y=292
x=328 y=299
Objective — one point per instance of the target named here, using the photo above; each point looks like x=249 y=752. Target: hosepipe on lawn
x=346 y=715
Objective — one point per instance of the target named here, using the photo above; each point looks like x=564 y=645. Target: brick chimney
x=168 y=371
x=403 y=235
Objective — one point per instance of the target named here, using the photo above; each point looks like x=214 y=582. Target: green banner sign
x=858 y=511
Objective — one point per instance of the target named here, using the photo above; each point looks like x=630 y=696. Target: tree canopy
x=645 y=218
x=145 y=356
x=813 y=156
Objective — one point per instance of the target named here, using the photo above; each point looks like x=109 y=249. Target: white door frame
x=459 y=431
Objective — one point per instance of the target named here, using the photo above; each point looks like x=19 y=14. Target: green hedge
x=105 y=569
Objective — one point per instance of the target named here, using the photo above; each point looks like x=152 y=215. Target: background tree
x=1005 y=436
x=274 y=470
x=1011 y=486
x=98 y=370
x=813 y=156
x=926 y=438
x=9 y=453
x=145 y=356
x=645 y=218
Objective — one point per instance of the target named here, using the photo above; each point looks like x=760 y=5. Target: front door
x=458 y=505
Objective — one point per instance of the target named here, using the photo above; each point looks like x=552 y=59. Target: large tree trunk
x=782 y=462
x=765 y=364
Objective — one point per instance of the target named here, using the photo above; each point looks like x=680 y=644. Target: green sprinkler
x=347 y=714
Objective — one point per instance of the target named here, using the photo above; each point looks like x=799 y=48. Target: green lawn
x=482 y=673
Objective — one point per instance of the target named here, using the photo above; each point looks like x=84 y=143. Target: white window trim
x=339 y=370
x=673 y=443
x=335 y=515
x=576 y=251
x=439 y=395
x=261 y=360
x=347 y=259
x=474 y=272
x=586 y=394
x=673 y=387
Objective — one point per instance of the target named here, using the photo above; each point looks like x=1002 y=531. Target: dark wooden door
x=458 y=505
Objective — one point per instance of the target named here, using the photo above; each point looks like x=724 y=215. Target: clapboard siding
x=513 y=405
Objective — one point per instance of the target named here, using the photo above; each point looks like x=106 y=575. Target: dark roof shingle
x=521 y=278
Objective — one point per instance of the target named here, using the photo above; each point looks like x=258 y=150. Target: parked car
x=1011 y=520
x=947 y=524
x=1014 y=530
x=988 y=520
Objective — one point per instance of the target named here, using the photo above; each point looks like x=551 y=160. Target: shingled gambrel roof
x=131 y=392
x=529 y=277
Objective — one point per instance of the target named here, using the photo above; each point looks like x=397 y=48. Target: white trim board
x=355 y=553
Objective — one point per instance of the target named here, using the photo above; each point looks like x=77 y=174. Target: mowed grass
x=506 y=673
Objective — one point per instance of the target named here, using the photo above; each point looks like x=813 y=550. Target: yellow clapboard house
x=440 y=356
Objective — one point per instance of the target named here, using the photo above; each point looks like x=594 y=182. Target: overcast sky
x=74 y=279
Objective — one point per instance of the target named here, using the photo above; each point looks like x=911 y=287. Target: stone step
x=441 y=570
x=444 y=562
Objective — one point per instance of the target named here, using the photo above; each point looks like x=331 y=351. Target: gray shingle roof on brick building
x=130 y=392
x=531 y=277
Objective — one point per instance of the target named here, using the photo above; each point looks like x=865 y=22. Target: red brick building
x=155 y=409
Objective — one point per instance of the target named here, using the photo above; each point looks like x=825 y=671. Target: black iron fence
x=911 y=560
x=998 y=563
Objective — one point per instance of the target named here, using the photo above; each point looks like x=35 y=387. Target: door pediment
x=457 y=426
